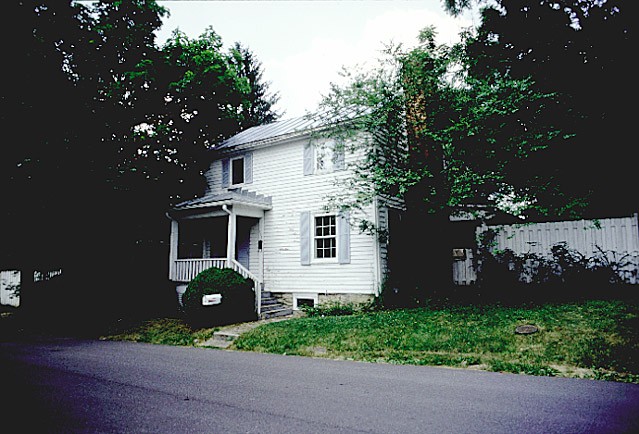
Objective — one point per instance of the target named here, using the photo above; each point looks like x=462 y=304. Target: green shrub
x=336 y=309
x=238 y=298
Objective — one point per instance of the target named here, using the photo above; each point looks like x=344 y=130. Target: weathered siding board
x=463 y=270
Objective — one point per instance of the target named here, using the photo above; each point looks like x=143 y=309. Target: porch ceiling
x=233 y=197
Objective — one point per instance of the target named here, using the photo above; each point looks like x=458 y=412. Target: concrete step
x=222 y=339
x=281 y=311
x=271 y=307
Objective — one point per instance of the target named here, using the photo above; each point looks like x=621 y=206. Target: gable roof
x=269 y=132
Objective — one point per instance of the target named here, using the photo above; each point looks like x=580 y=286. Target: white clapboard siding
x=278 y=173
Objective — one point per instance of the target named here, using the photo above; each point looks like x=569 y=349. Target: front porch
x=219 y=231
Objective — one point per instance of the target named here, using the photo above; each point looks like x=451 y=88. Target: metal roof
x=292 y=127
x=273 y=130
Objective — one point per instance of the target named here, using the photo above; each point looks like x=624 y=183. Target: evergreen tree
x=258 y=108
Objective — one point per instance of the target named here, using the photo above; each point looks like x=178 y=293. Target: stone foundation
x=286 y=299
x=346 y=298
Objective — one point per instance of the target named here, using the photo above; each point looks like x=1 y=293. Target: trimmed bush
x=238 y=298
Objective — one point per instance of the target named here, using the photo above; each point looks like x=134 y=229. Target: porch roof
x=231 y=197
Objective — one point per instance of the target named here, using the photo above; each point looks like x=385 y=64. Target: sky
x=303 y=45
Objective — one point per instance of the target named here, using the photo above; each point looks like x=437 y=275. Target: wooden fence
x=617 y=238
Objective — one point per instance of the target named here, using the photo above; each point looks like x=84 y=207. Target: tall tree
x=439 y=140
x=577 y=49
x=111 y=130
x=74 y=118
x=259 y=105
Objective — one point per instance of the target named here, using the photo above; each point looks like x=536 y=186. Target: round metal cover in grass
x=526 y=329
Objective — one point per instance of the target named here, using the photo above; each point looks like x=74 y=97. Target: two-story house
x=264 y=215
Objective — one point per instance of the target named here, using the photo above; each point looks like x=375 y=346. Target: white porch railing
x=186 y=269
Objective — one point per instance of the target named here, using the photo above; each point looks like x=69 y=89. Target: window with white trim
x=325 y=237
x=237 y=171
x=305 y=299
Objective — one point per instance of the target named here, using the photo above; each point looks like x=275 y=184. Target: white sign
x=211 y=299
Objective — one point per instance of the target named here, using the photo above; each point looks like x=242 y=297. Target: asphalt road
x=69 y=386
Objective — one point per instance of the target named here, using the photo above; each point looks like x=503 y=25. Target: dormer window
x=237 y=171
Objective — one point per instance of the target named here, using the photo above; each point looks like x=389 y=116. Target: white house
x=264 y=215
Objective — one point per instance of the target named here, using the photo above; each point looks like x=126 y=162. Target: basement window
x=304 y=300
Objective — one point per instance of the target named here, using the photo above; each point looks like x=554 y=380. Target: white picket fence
x=617 y=237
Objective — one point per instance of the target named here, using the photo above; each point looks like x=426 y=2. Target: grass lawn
x=591 y=339
x=163 y=331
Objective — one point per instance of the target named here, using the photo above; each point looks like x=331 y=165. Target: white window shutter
x=305 y=238
x=248 y=168
x=225 y=173
x=344 y=238
x=309 y=164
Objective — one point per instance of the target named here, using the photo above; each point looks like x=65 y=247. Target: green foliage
x=257 y=108
x=336 y=309
x=164 y=331
x=438 y=139
x=137 y=121
x=238 y=298
x=564 y=274
x=576 y=50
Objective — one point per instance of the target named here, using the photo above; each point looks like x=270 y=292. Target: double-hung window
x=325 y=237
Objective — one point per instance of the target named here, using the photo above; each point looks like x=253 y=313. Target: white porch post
x=231 y=236
x=173 y=249
x=260 y=271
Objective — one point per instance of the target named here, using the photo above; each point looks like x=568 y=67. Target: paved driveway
x=68 y=385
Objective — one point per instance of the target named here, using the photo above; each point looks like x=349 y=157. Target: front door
x=243 y=240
